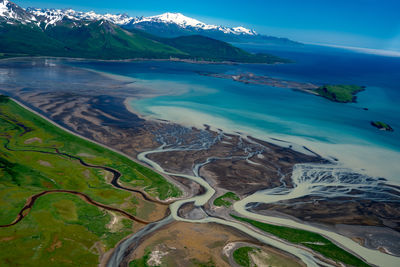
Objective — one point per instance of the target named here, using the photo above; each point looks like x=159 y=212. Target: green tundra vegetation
x=226 y=199
x=141 y=262
x=242 y=257
x=340 y=93
x=60 y=224
x=311 y=240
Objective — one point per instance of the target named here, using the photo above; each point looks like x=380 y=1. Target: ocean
x=334 y=130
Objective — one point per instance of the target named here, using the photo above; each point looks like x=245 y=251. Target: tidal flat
x=229 y=162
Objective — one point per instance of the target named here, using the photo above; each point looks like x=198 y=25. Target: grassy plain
x=226 y=199
x=61 y=230
x=311 y=240
x=241 y=256
x=62 y=227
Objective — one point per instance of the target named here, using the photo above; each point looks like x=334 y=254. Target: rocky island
x=251 y=78
x=382 y=126
x=340 y=93
x=337 y=93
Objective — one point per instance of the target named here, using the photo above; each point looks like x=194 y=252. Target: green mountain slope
x=104 y=40
x=23 y=33
x=208 y=49
x=28 y=40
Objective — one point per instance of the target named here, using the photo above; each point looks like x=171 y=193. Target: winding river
x=306 y=181
x=302 y=187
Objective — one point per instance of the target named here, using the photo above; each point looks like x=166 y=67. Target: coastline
x=281 y=143
x=351 y=156
x=126 y=102
x=78 y=135
x=185 y=192
x=190 y=61
x=296 y=143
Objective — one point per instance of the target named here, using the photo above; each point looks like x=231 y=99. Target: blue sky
x=360 y=23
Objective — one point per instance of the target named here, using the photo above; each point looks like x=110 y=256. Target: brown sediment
x=267 y=252
x=359 y=240
x=275 y=163
x=338 y=211
x=250 y=78
x=31 y=201
x=230 y=170
x=189 y=242
x=96 y=111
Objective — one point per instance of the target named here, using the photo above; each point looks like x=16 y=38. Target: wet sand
x=98 y=112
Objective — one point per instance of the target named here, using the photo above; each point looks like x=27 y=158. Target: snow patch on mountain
x=4 y=11
x=185 y=22
x=244 y=30
x=178 y=19
x=11 y=13
x=52 y=16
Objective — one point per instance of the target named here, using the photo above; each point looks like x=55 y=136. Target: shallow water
x=331 y=129
x=270 y=196
x=334 y=130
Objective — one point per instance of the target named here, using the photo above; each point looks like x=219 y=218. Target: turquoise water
x=332 y=129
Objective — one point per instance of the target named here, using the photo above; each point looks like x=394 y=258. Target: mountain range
x=70 y=33
x=164 y=25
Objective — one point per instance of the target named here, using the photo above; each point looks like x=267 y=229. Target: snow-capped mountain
x=53 y=16
x=186 y=22
x=176 y=24
x=167 y=25
x=12 y=13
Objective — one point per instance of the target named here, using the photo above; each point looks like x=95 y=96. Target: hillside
x=88 y=35
x=102 y=39
x=208 y=49
x=23 y=39
x=171 y=25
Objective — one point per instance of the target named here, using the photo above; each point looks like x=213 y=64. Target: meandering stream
x=303 y=187
x=307 y=179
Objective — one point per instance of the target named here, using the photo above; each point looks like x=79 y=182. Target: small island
x=226 y=199
x=334 y=92
x=340 y=93
x=382 y=126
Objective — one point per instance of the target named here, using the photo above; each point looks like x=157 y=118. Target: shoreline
x=356 y=156
x=185 y=192
x=332 y=228
x=125 y=102
x=69 y=131
x=347 y=230
x=333 y=152
x=190 y=61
